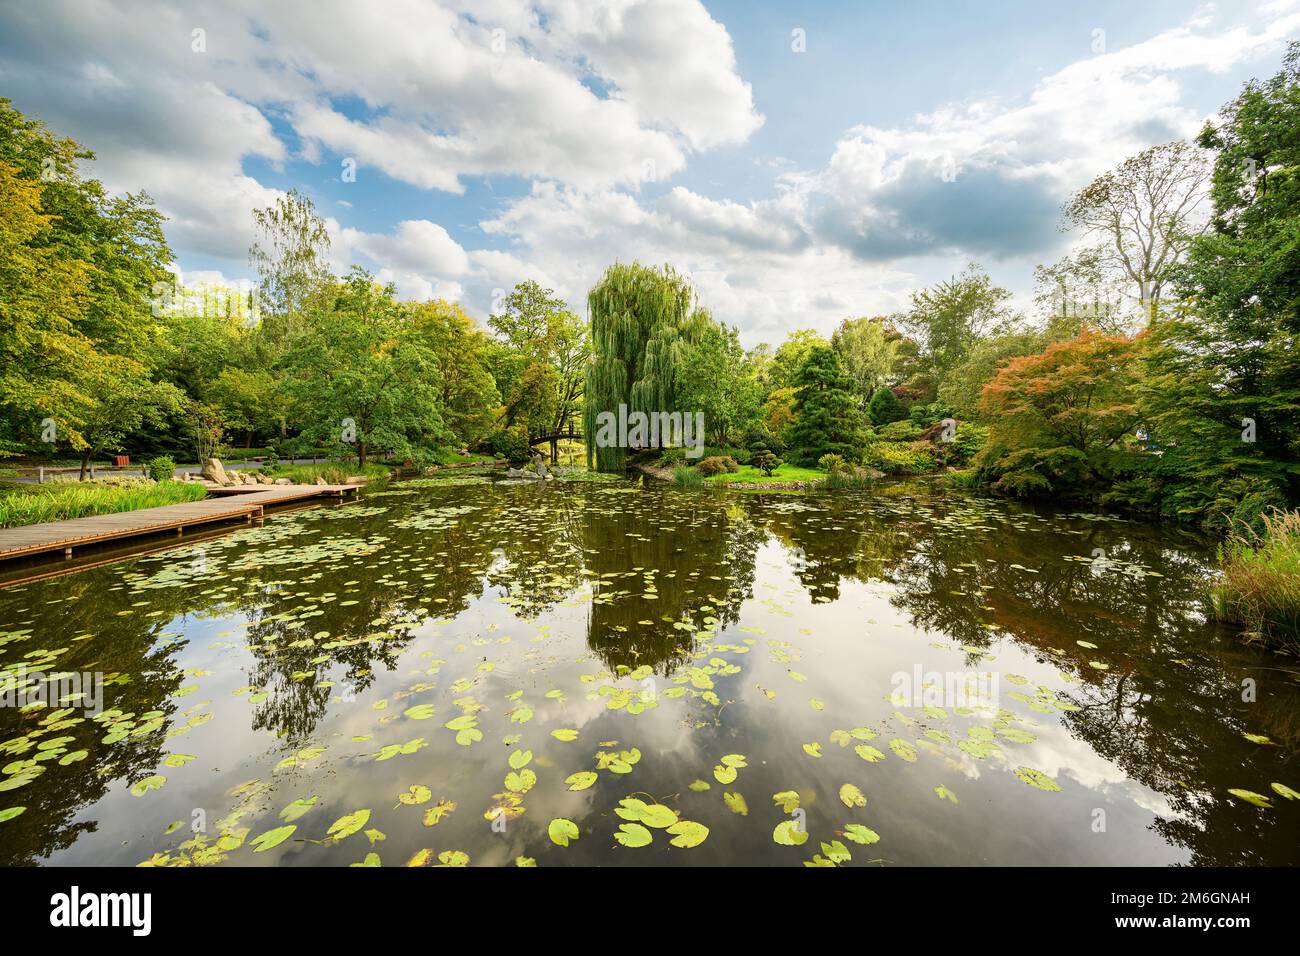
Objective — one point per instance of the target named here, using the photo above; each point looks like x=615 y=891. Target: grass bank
x=1260 y=587
x=59 y=501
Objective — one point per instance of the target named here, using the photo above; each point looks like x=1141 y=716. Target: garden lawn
x=749 y=475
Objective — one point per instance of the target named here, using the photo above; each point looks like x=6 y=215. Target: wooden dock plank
x=79 y=532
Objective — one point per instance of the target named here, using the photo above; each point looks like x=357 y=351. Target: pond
x=468 y=670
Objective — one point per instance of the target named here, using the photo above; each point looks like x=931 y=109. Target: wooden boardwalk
x=247 y=502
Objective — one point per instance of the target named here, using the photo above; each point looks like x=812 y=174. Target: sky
x=801 y=162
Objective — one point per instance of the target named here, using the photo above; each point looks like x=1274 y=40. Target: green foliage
x=716 y=465
x=357 y=381
x=757 y=436
x=827 y=418
x=684 y=476
x=58 y=501
x=161 y=468
x=885 y=407
x=832 y=463
x=899 y=458
x=1260 y=586
x=643 y=321
x=766 y=462
x=902 y=430
x=509 y=443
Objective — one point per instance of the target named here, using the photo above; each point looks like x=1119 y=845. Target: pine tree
x=826 y=415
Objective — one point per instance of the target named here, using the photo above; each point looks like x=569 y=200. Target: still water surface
x=445 y=667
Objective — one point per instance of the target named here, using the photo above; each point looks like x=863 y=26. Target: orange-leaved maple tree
x=1056 y=418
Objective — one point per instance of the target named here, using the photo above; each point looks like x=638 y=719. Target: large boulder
x=283 y=481
x=213 y=471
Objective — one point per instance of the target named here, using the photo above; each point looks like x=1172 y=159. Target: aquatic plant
x=1260 y=587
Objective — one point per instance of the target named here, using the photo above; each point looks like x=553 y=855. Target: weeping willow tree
x=642 y=322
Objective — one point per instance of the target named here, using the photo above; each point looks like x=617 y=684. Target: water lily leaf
x=633 y=835
x=520 y=759
x=688 y=833
x=860 y=834
x=349 y=824
x=1250 y=796
x=789 y=833
x=787 y=800
x=521 y=781
x=433 y=816
x=521 y=714
x=943 y=793
x=416 y=795
x=736 y=803
x=296 y=809
x=903 y=749
x=659 y=816
x=565 y=734
x=419 y=712
x=1038 y=779
x=561 y=831
x=154 y=782
x=525 y=861
x=813 y=749
x=836 y=852
x=734 y=760
x=420 y=858
x=372 y=859
x=470 y=735
x=10 y=812
x=851 y=796
x=724 y=775
x=272 y=838
x=699 y=786
x=580 y=780
x=869 y=753
x=453 y=858
x=1282 y=790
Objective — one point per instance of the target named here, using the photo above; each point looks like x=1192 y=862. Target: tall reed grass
x=32 y=504
x=1260 y=586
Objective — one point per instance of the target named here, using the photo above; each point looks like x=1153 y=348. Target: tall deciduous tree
x=359 y=379
x=949 y=318
x=642 y=323
x=1143 y=214
x=868 y=353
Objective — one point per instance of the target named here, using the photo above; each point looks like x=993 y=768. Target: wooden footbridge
x=226 y=504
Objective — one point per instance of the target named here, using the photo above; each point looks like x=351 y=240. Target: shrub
x=832 y=463
x=898 y=458
x=1260 y=587
x=510 y=444
x=161 y=468
x=672 y=456
x=684 y=476
x=885 y=407
x=766 y=462
x=757 y=435
x=717 y=464
x=901 y=430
